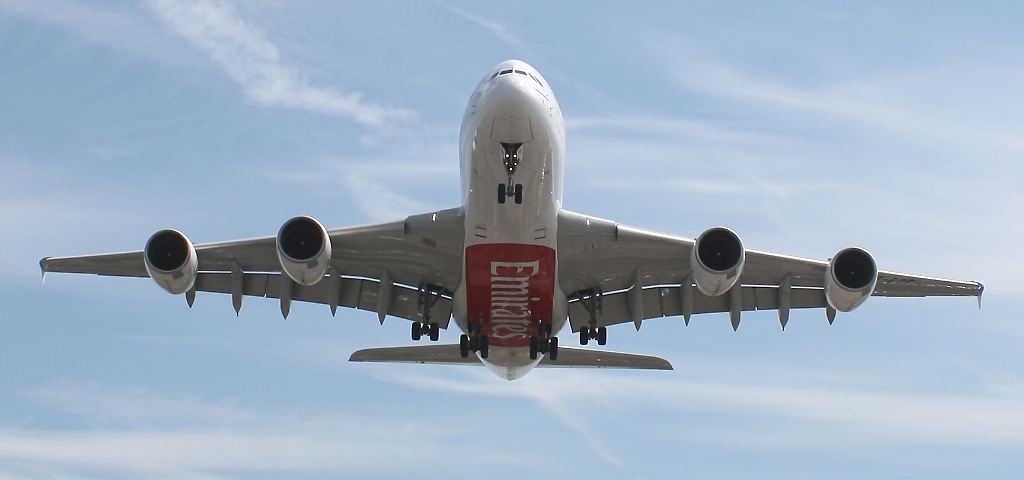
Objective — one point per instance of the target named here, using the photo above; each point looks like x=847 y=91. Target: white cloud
x=245 y=54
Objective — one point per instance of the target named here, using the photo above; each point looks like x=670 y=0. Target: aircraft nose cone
x=514 y=97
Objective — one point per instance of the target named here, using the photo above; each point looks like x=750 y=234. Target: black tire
x=519 y=193
x=602 y=335
x=584 y=335
x=502 y=193
x=533 y=348
x=483 y=346
x=435 y=332
x=416 y=330
x=553 y=348
x=464 y=346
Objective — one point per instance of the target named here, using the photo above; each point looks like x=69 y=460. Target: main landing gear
x=427 y=296
x=474 y=342
x=545 y=344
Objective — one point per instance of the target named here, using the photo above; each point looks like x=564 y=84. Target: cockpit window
x=520 y=72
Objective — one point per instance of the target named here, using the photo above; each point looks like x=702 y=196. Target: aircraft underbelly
x=510 y=284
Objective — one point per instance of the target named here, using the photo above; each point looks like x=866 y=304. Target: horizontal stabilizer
x=567 y=357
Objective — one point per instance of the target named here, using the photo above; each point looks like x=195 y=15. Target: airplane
x=511 y=266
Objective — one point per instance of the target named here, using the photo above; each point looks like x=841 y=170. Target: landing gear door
x=510 y=129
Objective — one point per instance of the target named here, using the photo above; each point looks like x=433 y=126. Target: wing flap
x=359 y=293
x=663 y=301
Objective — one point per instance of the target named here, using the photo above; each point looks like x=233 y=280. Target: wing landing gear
x=427 y=296
x=591 y=301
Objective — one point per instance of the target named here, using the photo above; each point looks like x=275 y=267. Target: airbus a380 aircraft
x=510 y=265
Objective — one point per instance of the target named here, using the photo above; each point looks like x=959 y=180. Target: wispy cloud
x=497 y=29
x=860 y=414
x=381 y=188
x=138 y=431
x=136 y=407
x=242 y=50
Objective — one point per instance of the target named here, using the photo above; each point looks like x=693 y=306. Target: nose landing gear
x=510 y=190
x=510 y=158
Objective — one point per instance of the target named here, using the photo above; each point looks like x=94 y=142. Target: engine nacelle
x=717 y=260
x=171 y=260
x=304 y=250
x=850 y=278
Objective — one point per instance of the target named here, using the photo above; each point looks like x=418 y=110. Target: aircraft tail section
x=567 y=357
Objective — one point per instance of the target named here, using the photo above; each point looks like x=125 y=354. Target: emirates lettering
x=510 y=301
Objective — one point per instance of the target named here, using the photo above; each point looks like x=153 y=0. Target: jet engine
x=304 y=250
x=717 y=260
x=171 y=260
x=850 y=278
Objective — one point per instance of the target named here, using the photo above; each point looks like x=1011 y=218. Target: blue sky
x=806 y=127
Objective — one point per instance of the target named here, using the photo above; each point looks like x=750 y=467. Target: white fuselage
x=510 y=289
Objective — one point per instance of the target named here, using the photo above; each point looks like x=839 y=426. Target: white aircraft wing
x=599 y=259
x=421 y=253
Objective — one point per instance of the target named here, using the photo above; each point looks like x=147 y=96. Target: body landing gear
x=474 y=342
x=544 y=345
